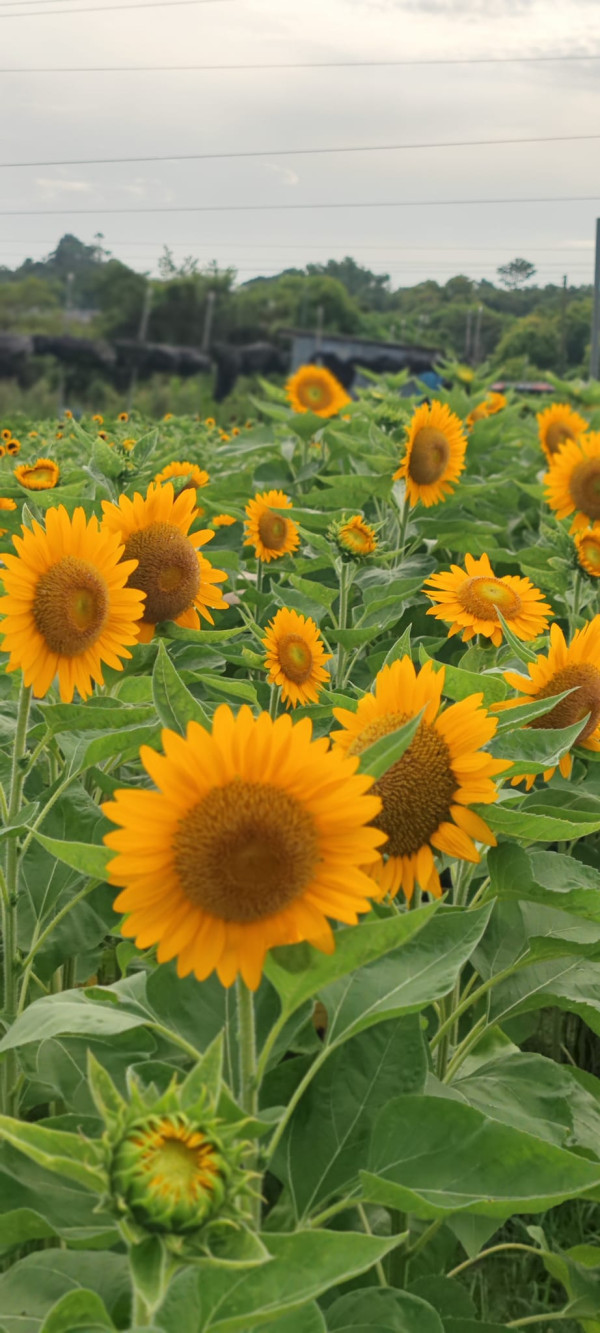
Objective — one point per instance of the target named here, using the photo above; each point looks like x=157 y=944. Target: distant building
x=345 y=354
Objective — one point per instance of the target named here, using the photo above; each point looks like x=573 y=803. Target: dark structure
x=249 y=359
x=344 y=355
x=74 y=351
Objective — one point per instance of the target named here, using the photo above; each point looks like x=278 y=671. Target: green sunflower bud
x=355 y=538
x=171 y=1173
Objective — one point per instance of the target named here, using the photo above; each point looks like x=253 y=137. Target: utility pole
x=563 y=327
x=595 y=353
x=142 y=333
x=208 y=321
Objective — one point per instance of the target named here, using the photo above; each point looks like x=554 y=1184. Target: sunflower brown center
x=272 y=530
x=168 y=570
x=556 y=434
x=429 y=456
x=295 y=657
x=417 y=791
x=584 y=699
x=480 y=597
x=71 y=606
x=315 y=393
x=584 y=486
x=246 y=851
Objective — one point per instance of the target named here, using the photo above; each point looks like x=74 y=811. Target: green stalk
x=345 y=581
x=574 y=610
x=9 y=897
x=247 y=1068
x=404 y=517
x=274 y=701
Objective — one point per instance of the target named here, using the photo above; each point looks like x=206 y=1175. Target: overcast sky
x=58 y=116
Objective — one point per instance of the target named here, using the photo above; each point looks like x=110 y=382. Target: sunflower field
x=300 y=886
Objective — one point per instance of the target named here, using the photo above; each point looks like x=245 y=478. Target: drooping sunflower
x=315 y=389
x=179 y=582
x=256 y=835
x=13 y=447
x=573 y=482
x=192 y=476
x=42 y=475
x=587 y=546
x=494 y=403
x=426 y=793
x=469 y=600
x=295 y=657
x=272 y=535
x=356 y=537
x=435 y=454
x=576 y=667
x=557 y=424
x=67 y=609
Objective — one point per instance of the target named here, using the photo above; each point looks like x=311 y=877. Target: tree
x=516 y=273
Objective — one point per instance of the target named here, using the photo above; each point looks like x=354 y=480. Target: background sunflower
x=435 y=454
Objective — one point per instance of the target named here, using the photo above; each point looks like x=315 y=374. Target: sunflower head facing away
x=39 y=476
x=315 y=389
x=355 y=538
x=255 y=835
x=575 y=667
x=192 y=477
x=573 y=482
x=67 y=609
x=435 y=454
x=271 y=534
x=587 y=546
x=557 y=424
x=469 y=600
x=425 y=794
x=179 y=582
x=494 y=403
x=295 y=657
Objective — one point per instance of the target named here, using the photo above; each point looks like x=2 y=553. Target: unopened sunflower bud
x=354 y=538
x=171 y=1174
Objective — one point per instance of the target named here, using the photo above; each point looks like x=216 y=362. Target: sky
x=79 y=114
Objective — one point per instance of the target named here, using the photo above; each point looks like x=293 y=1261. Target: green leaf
x=108 y=1100
x=522 y=713
x=175 y=705
x=351 y=638
x=385 y=752
x=77 y=1312
x=520 y=649
x=535 y=1094
x=537 y=823
x=533 y=750
x=33 y=1286
x=318 y=592
x=25 y=817
x=95 y=715
x=384 y=1311
x=307 y=1320
x=82 y=856
x=459 y=684
x=450 y=1158
x=299 y=972
x=547 y=878
x=71 y=1011
x=447 y=1295
x=68 y=1155
x=303 y=1266
x=327 y=1141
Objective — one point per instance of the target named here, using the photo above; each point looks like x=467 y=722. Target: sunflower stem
x=574 y=611
x=274 y=701
x=404 y=517
x=259 y=575
x=247 y=1069
x=9 y=897
x=345 y=581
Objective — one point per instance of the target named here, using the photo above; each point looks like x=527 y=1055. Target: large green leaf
x=459 y=684
x=78 y=1312
x=535 y=822
x=533 y=1093
x=303 y=1265
x=384 y=1311
x=548 y=878
x=33 y=1286
x=89 y=860
x=68 y=1155
x=310 y=1319
x=327 y=1141
x=174 y=703
x=437 y=1157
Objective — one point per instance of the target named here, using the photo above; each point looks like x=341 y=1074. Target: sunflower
x=235 y=430
x=587 y=545
x=191 y=475
x=494 y=402
x=210 y=422
x=295 y=657
x=574 y=667
x=222 y=521
x=98 y=419
x=315 y=389
x=269 y=533
x=67 y=608
x=435 y=454
x=128 y=444
x=224 y=437
x=7 y=504
x=556 y=425
x=470 y=599
x=32 y=435
x=444 y=769
x=40 y=476
x=178 y=580
x=6 y=434
x=256 y=835
x=123 y=416
x=573 y=482
x=356 y=537
x=13 y=447
x=168 y=416
x=2 y=451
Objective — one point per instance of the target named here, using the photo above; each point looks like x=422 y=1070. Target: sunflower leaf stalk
x=247 y=1066
x=9 y=892
x=346 y=574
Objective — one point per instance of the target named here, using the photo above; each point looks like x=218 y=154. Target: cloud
x=284 y=174
x=52 y=184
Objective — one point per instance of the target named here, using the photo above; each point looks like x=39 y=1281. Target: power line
x=277 y=245
x=103 y=9
x=300 y=152
x=266 y=208
x=306 y=64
